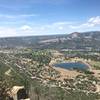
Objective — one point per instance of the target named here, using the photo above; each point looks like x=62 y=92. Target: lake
x=72 y=65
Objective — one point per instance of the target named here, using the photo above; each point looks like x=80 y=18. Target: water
x=72 y=65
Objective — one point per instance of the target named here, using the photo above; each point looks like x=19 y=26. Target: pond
x=72 y=65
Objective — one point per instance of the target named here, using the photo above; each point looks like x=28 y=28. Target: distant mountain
x=76 y=40
x=74 y=35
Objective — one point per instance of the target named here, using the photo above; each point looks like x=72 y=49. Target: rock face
x=18 y=93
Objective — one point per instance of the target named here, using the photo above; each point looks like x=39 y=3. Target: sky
x=47 y=17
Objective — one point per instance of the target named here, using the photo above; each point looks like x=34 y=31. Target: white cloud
x=26 y=28
x=57 y=26
x=7 y=32
x=60 y=28
x=62 y=23
x=92 y=22
x=17 y=16
x=51 y=28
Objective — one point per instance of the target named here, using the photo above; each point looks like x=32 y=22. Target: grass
x=95 y=64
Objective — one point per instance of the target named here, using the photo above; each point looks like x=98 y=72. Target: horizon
x=42 y=17
x=40 y=35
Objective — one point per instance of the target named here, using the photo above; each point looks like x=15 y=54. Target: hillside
x=76 y=40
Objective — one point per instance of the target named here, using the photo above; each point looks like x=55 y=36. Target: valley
x=33 y=66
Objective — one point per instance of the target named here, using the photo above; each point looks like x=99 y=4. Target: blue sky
x=43 y=17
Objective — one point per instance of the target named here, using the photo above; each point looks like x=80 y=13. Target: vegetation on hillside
x=32 y=70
